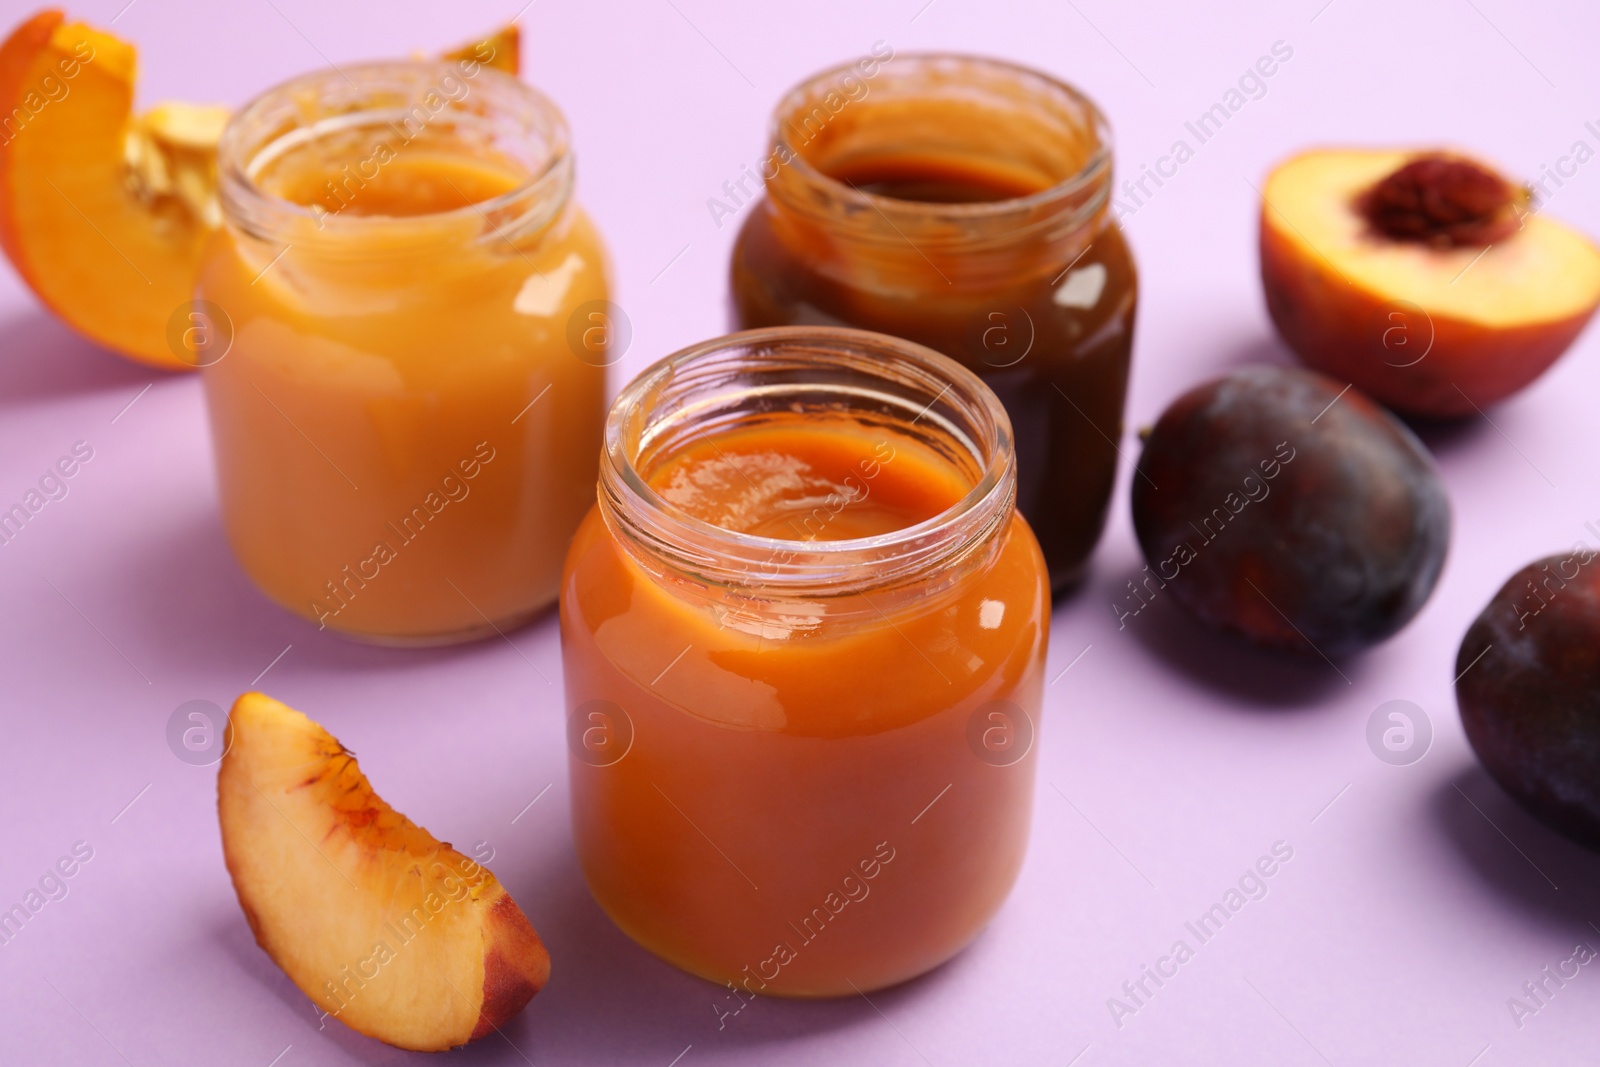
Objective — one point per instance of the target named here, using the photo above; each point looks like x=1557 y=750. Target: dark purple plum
x=1276 y=504
x=1529 y=691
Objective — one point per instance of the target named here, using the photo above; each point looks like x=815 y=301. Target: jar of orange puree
x=963 y=203
x=407 y=420
x=803 y=633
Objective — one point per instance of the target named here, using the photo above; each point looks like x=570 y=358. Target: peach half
x=104 y=213
x=387 y=929
x=1420 y=276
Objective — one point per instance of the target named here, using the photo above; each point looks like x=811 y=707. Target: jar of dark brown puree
x=962 y=203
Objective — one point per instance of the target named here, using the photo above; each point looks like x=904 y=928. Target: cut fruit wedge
x=501 y=50
x=109 y=252
x=392 y=932
x=1441 y=321
x=104 y=213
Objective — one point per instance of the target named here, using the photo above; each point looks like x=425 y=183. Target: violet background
x=1419 y=898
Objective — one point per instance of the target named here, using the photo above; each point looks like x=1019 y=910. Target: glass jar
x=405 y=430
x=962 y=203
x=803 y=765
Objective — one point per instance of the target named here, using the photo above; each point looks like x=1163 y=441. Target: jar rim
x=244 y=145
x=728 y=558
x=1095 y=168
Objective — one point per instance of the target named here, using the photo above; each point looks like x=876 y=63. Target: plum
x=1528 y=688
x=1281 y=505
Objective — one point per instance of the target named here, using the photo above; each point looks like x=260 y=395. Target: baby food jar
x=405 y=431
x=962 y=203
x=803 y=633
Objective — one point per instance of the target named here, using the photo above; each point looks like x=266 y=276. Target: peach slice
x=394 y=933
x=104 y=213
x=1420 y=276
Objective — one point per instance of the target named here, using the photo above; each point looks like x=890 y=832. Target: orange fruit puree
x=381 y=469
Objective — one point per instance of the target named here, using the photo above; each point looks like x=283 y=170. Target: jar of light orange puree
x=407 y=420
x=803 y=634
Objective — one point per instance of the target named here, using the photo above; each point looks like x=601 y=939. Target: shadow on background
x=1253 y=351
x=184 y=591
x=1532 y=868
x=1445 y=436
x=1229 y=665
x=610 y=1001
x=41 y=359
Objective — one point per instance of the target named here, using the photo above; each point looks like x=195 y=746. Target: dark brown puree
x=1063 y=391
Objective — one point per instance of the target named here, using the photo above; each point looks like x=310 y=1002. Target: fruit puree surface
x=770 y=482
x=424 y=182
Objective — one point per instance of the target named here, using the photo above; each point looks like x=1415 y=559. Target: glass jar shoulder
x=793 y=274
x=806 y=668
x=399 y=275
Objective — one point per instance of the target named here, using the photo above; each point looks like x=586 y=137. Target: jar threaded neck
x=838 y=373
x=367 y=114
